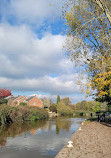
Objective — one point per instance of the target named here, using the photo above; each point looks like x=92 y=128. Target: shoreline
x=91 y=140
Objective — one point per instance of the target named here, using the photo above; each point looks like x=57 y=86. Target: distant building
x=31 y=101
x=18 y=100
x=10 y=99
x=34 y=101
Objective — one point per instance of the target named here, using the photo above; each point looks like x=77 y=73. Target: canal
x=41 y=139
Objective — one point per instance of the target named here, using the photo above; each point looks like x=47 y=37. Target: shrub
x=53 y=108
x=4 y=101
x=23 y=104
x=21 y=113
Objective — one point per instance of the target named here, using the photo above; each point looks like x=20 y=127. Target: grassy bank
x=10 y=114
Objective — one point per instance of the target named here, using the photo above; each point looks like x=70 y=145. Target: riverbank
x=92 y=141
x=9 y=114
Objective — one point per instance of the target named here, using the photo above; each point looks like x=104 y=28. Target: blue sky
x=32 y=59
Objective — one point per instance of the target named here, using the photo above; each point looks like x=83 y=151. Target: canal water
x=41 y=139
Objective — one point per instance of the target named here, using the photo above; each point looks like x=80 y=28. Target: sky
x=32 y=58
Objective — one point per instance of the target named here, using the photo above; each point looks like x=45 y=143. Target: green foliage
x=66 y=101
x=53 y=108
x=58 y=99
x=14 y=108
x=34 y=118
x=108 y=108
x=4 y=114
x=97 y=107
x=63 y=109
x=88 y=106
x=38 y=114
x=23 y=104
x=84 y=106
x=21 y=113
x=4 y=101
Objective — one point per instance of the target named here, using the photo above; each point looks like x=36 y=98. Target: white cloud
x=22 y=53
x=32 y=11
x=29 y=63
x=45 y=84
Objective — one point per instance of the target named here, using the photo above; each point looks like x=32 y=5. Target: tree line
x=65 y=107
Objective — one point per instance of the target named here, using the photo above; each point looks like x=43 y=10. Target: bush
x=37 y=114
x=4 y=115
x=23 y=104
x=4 y=101
x=21 y=113
x=53 y=108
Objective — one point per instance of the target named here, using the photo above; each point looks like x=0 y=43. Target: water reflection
x=19 y=128
x=44 y=138
x=62 y=124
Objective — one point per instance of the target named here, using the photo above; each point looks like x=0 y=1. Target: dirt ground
x=92 y=141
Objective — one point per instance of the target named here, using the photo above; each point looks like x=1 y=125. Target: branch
x=105 y=10
x=80 y=28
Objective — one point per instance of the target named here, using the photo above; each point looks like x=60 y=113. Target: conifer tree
x=58 y=99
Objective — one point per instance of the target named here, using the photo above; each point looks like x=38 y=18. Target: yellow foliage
x=87 y=91
x=103 y=83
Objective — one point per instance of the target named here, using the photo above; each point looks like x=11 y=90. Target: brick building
x=18 y=100
x=34 y=101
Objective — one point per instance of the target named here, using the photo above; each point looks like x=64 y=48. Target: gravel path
x=93 y=141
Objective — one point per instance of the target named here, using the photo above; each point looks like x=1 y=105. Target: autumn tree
x=102 y=82
x=89 y=43
x=4 y=93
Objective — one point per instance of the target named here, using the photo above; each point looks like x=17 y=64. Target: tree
x=97 y=107
x=102 y=82
x=46 y=102
x=89 y=42
x=4 y=93
x=58 y=99
x=66 y=101
x=63 y=109
x=53 y=107
x=88 y=106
